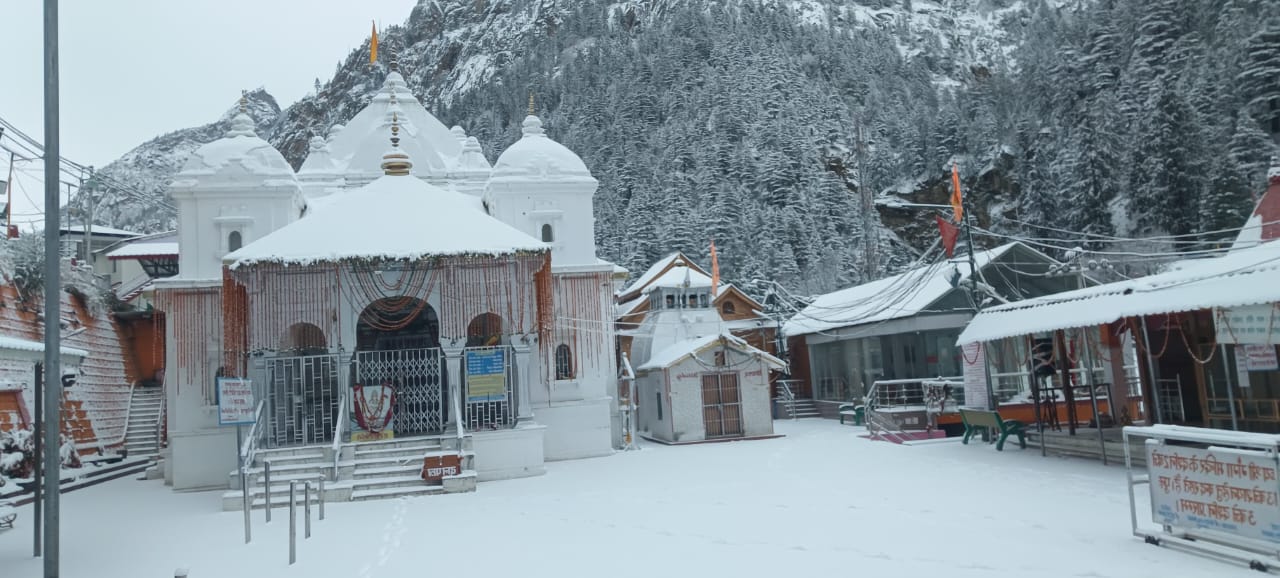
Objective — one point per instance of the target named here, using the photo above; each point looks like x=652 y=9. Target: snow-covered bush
x=17 y=454
x=67 y=453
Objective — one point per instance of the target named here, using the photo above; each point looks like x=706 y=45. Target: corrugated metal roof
x=1243 y=277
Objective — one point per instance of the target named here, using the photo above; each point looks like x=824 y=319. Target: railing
x=455 y=395
x=337 y=433
x=912 y=392
x=883 y=426
x=249 y=446
x=788 y=396
x=162 y=428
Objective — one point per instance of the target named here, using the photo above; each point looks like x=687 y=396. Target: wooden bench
x=8 y=514
x=976 y=419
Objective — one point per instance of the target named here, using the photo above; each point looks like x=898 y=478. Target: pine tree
x=1260 y=75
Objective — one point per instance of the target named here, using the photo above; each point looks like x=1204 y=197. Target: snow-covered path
x=819 y=500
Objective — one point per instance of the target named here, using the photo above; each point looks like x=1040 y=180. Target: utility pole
x=88 y=218
x=52 y=293
x=868 y=208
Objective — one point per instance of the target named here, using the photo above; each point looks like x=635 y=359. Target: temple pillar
x=453 y=367
x=524 y=410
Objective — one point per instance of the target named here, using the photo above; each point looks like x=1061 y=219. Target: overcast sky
x=133 y=69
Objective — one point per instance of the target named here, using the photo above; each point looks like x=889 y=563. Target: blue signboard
x=486 y=375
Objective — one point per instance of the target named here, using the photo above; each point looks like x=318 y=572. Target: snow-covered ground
x=819 y=500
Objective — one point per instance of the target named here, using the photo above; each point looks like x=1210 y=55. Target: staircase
x=142 y=434
x=392 y=469
x=365 y=471
x=802 y=408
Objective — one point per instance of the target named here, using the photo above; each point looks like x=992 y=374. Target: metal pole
x=1231 y=394
x=266 y=486
x=38 y=503
x=306 y=508
x=321 y=497
x=88 y=221
x=1093 y=392
x=1151 y=371
x=52 y=290
x=293 y=521
x=245 y=501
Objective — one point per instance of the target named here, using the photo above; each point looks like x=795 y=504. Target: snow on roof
x=159 y=245
x=902 y=295
x=626 y=307
x=656 y=269
x=1243 y=277
x=680 y=277
x=676 y=352
x=1264 y=223
x=471 y=162
x=139 y=250
x=394 y=217
x=240 y=147
x=358 y=147
x=16 y=344
x=535 y=155
x=99 y=230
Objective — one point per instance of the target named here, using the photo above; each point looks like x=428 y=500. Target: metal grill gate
x=721 y=405
x=419 y=384
x=302 y=399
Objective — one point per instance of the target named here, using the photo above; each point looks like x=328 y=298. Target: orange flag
x=957 y=204
x=373 y=46
x=715 y=271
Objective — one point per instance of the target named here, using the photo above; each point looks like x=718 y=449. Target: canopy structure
x=391 y=218
x=1242 y=277
x=902 y=295
x=682 y=349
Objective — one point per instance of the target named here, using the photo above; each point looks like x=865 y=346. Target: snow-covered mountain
x=147 y=169
x=736 y=120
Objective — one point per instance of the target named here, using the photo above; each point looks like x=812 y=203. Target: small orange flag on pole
x=715 y=271
x=373 y=46
x=957 y=203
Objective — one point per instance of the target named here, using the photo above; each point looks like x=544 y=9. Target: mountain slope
x=735 y=120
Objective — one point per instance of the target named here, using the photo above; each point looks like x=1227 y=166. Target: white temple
x=396 y=298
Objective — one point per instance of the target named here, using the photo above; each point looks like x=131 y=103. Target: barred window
x=564 y=362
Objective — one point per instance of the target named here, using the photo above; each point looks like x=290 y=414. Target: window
x=728 y=308
x=702 y=300
x=233 y=241
x=547 y=235
x=658 y=405
x=671 y=301
x=693 y=302
x=564 y=362
x=720 y=362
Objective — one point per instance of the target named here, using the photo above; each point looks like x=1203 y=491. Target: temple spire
x=395 y=162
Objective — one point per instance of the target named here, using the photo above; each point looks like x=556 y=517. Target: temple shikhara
x=396 y=298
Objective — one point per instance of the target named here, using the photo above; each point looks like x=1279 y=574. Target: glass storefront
x=843 y=370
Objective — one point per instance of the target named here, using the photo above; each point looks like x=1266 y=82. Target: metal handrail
x=249 y=447
x=872 y=399
x=789 y=397
x=337 y=434
x=160 y=423
x=456 y=391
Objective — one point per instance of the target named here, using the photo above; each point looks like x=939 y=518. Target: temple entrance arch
x=303 y=388
x=485 y=330
x=399 y=383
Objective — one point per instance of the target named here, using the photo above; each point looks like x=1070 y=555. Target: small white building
x=705 y=388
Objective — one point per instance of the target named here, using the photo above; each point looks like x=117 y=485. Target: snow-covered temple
x=396 y=298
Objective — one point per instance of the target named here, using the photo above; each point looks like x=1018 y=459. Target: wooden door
x=721 y=405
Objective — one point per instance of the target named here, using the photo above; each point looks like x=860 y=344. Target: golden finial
x=530 y=103
x=396 y=162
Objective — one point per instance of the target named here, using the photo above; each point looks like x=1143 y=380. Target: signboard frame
x=1248 y=324
x=1196 y=534
x=248 y=410
x=486 y=371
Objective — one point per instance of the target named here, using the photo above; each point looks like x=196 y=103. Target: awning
x=1242 y=277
